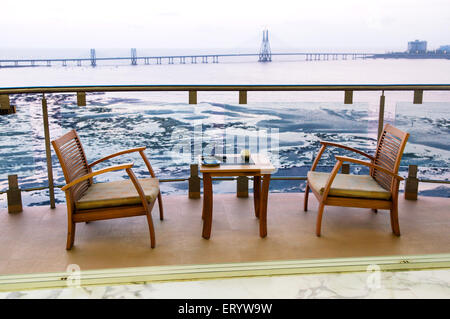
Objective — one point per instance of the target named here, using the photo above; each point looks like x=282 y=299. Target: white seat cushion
x=347 y=185
x=117 y=193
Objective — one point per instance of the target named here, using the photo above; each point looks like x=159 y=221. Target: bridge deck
x=306 y=55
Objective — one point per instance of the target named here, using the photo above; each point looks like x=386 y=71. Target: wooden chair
x=379 y=190
x=89 y=201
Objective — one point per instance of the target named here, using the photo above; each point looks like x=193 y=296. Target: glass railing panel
x=298 y=121
x=428 y=146
x=109 y=123
x=20 y=141
x=288 y=125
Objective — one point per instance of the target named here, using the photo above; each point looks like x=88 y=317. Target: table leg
x=257 y=194
x=204 y=201
x=207 y=205
x=263 y=206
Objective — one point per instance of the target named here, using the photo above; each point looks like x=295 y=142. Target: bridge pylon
x=265 y=54
x=133 y=56
x=93 y=58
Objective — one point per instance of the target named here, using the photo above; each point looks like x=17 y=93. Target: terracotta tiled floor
x=34 y=241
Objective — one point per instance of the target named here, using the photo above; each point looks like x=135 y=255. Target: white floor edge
x=124 y=276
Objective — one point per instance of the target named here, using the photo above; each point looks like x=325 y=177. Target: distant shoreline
x=401 y=55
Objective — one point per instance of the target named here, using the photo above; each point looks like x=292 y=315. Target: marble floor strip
x=372 y=284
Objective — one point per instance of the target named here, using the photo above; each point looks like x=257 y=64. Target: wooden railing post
x=242 y=97
x=411 y=183
x=242 y=186
x=194 y=182
x=348 y=97
x=192 y=97
x=13 y=194
x=418 y=97
x=48 y=153
x=5 y=105
x=345 y=168
x=4 y=102
x=81 y=98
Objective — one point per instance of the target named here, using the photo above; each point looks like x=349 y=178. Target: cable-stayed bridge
x=265 y=55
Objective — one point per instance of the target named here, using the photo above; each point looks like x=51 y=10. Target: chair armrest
x=92 y=174
x=348 y=148
x=371 y=165
x=319 y=155
x=131 y=150
x=325 y=144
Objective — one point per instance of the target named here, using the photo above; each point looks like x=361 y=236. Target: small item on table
x=210 y=161
x=245 y=154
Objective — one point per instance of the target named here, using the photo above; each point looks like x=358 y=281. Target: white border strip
x=226 y=270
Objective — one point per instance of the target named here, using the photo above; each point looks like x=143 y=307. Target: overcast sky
x=332 y=24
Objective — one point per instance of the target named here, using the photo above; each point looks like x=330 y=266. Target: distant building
x=417 y=46
x=444 y=48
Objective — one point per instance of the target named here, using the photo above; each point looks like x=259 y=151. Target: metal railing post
x=51 y=187
x=411 y=183
x=14 y=196
x=242 y=186
x=381 y=115
x=194 y=182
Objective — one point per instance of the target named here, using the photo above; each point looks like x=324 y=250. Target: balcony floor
x=34 y=241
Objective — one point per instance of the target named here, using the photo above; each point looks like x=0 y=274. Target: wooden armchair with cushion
x=89 y=201
x=379 y=190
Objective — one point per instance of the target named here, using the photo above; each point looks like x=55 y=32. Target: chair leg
x=394 y=220
x=70 y=235
x=151 y=228
x=319 y=218
x=160 y=205
x=305 y=200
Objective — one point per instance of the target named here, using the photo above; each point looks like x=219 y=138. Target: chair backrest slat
x=73 y=162
x=389 y=154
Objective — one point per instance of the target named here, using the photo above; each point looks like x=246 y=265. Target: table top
x=261 y=165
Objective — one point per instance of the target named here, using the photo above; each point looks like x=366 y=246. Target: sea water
x=291 y=123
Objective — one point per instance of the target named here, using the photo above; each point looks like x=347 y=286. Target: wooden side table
x=261 y=169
